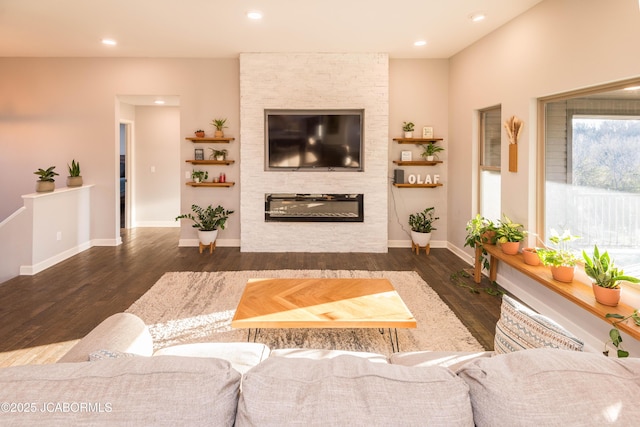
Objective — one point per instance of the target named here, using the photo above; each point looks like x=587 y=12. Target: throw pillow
x=521 y=328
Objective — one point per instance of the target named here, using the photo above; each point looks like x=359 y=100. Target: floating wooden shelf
x=209 y=139
x=211 y=162
x=416 y=140
x=416 y=162
x=416 y=185
x=210 y=184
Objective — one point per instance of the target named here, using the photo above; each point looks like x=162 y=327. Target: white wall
x=314 y=81
x=557 y=46
x=156 y=157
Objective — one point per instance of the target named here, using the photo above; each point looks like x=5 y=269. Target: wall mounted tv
x=320 y=140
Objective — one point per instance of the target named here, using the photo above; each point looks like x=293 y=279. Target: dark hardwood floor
x=43 y=315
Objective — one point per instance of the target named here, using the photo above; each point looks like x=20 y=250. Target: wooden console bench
x=579 y=291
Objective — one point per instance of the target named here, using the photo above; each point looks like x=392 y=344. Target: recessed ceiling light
x=158 y=102
x=420 y=43
x=254 y=14
x=109 y=42
x=632 y=88
x=477 y=17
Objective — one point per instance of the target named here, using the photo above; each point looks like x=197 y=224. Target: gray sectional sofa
x=112 y=377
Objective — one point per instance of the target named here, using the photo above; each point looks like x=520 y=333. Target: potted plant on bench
x=509 y=234
x=606 y=277
x=207 y=220
x=560 y=260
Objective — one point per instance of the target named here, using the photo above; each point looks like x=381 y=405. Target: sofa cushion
x=348 y=390
x=448 y=359
x=521 y=328
x=318 y=354
x=132 y=391
x=241 y=355
x=544 y=387
x=123 y=332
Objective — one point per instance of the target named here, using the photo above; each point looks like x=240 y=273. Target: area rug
x=190 y=307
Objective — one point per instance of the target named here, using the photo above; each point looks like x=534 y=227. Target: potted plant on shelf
x=217 y=154
x=46 y=182
x=421 y=224
x=74 y=179
x=219 y=125
x=199 y=176
x=509 y=234
x=606 y=277
x=560 y=260
x=430 y=151
x=207 y=220
x=199 y=133
x=407 y=128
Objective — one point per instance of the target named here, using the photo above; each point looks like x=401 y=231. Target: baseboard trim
x=30 y=270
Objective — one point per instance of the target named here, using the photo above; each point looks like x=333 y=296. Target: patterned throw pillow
x=521 y=328
x=108 y=354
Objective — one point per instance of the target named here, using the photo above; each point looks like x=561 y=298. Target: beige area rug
x=189 y=307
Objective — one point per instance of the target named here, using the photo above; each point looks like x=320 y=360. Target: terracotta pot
x=488 y=237
x=606 y=296
x=563 y=273
x=530 y=256
x=510 y=248
x=420 y=239
x=200 y=134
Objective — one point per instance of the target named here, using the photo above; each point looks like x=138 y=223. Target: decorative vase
x=207 y=237
x=563 y=273
x=510 y=248
x=420 y=239
x=218 y=134
x=45 y=186
x=530 y=256
x=74 y=181
x=606 y=296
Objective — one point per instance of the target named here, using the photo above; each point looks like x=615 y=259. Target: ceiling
x=221 y=29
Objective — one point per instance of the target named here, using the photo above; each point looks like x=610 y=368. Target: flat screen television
x=321 y=140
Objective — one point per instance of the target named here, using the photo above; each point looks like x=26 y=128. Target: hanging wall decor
x=513 y=126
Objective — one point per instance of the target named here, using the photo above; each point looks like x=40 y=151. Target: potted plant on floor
x=207 y=220
x=74 y=179
x=509 y=234
x=219 y=124
x=606 y=277
x=46 y=182
x=407 y=128
x=561 y=260
x=421 y=224
x=430 y=151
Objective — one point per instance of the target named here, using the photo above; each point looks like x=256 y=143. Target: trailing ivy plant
x=461 y=278
x=614 y=334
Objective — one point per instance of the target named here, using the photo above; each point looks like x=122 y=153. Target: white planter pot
x=420 y=239
x=408 y=134
x=207 y=237
x=431 y=158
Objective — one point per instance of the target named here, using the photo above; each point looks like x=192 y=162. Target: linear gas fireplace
x=314 y=207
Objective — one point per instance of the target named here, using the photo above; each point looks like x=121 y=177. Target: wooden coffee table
x=322 y=303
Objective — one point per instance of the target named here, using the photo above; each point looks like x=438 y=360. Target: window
x=592 y=174
x=490 y=141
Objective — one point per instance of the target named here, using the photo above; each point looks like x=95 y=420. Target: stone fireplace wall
x=314 y=81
